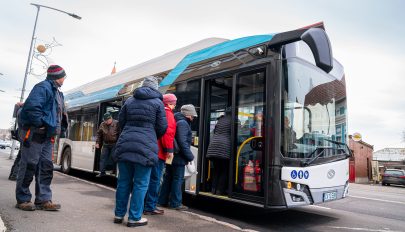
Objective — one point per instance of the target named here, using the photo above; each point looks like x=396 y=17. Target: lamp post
x=29 y=56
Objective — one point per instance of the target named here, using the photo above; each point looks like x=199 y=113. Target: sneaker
x=118 y=220
x=26 y=206
x=141 y=222
x=154 y=212
x=48 y=206
x=181 y=208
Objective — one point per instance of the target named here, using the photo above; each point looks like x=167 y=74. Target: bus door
x=113 y=107
x=249 y=143
x=218 y=103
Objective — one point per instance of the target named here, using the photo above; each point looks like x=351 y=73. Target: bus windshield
x=314 y=112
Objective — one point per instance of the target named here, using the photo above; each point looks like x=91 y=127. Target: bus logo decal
x=294 y=174
x=306 y=174
x=331 y=174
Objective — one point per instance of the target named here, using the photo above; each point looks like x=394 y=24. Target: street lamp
x=32 y=42
x=29 y=56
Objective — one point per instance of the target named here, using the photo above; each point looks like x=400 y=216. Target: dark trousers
x=171 y=192
x=106 y=157
x=220 y=176
x=16 y=165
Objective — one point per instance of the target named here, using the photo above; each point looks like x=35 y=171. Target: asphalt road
x=372 y=208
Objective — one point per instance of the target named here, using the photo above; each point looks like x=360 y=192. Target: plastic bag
x=190 y=169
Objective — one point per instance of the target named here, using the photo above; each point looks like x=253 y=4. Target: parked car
x=3 y=144
x=393 y=176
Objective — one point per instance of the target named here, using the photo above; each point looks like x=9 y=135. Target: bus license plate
x=329 y=196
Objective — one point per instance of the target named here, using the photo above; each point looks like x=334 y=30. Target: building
x=5 y=134
x=390 y=158
x=360 y=166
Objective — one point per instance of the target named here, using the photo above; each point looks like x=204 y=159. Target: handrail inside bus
x=238 y=154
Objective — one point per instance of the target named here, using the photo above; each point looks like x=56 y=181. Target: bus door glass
x=218 y=137
x=249 y=139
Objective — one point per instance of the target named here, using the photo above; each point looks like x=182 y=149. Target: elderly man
x=43 y=116
x=107 y=136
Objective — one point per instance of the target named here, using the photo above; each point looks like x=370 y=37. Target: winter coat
x=166 y=141
x=41 y=108
x=143 y=121
x=108 y=134
x=220 y=145
x=183 y=138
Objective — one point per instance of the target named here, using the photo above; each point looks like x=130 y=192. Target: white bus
x=288 y=99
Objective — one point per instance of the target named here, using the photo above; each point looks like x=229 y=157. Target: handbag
x=190 y=169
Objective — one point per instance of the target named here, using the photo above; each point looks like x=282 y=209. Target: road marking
x=2 y=227
x=363 y=229
x=210 y=219
x=374 y=199
x=320 y=207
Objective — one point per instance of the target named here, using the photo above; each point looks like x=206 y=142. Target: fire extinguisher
x=249 y=181
x=258 y=175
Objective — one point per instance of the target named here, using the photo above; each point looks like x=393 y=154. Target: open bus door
x=113 y=107
x=244 y=94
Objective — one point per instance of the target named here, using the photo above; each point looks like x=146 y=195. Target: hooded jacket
x=142 y=120
x=183 y=138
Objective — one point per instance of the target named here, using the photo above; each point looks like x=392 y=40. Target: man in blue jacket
x=43 y=116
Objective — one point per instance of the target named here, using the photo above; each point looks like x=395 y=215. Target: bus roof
x=108 y=86
x=210 y=52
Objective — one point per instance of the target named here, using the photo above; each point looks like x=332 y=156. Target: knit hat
x=188 y=110
x=169 y=99
x=55 y=72
x=107 y=116
x=151 y=82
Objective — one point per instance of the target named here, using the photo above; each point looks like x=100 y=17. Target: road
x=372 y=208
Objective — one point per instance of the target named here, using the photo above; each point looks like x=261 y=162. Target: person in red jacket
x=166 y=149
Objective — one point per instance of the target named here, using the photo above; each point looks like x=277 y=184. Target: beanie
x=55 y=72
x=188 y=110
x=107 y=116
x=151 y=82
x=169 y=99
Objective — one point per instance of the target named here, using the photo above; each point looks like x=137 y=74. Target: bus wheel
x=66 y=161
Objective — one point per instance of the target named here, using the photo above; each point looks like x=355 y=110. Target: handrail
x=237 y=155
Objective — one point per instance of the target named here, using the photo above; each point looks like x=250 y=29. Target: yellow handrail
x=237 y=155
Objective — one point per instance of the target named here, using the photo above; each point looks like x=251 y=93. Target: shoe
x=13 y=178
x=118 y=220
x=26 y=206
x=154 y=212
x=48 y=206
x=102 y=174
x=181 y=208
x=141 y=222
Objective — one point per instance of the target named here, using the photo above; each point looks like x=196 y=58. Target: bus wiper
x=308 y=162
x=348 y=154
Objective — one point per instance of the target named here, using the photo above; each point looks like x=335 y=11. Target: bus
x=287 y=97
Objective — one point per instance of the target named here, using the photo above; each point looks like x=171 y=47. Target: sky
x=366 y=35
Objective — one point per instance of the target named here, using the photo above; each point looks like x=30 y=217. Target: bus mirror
x=318 y=41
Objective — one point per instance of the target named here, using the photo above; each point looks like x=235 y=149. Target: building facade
x=361 y=163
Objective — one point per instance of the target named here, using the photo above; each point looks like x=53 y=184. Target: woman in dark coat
x=143 y=121
x=171 y=193
x=219 y=152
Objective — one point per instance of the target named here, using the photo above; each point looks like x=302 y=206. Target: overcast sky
x=367 y=38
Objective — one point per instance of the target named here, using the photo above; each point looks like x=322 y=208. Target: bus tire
x=66 y=160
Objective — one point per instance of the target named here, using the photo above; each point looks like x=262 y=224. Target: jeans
x=106 y=156
x=135 y=176
x=171 y=192
x=35 y=160
x=154 y=185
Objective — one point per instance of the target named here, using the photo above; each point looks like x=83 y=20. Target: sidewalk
x=85 y=207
